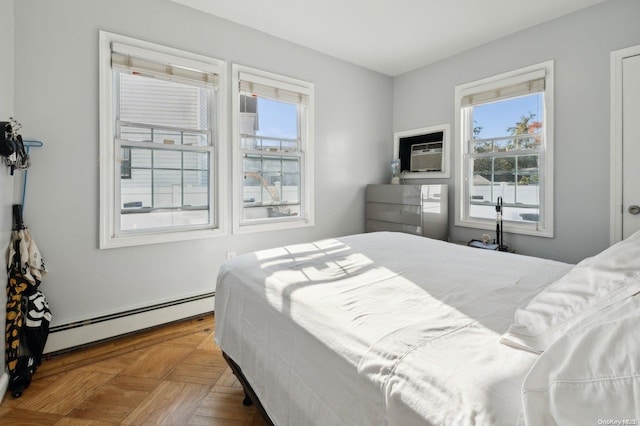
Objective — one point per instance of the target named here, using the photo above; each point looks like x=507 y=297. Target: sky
x=496 y=117
x=277 y=119
x=280 y=119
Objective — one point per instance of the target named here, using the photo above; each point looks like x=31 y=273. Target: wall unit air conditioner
x=426 y=157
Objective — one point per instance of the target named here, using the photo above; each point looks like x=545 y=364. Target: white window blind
x=285 y=92
x=164 y=69
x=517 y=86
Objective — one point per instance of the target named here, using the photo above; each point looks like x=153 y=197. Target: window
x=273 y=151
x=506 y=151
x=159 y=168
x=125 y=164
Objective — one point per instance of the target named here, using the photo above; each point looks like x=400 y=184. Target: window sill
x=132 y=240
x=507 y=227
x=273 y=226
x=424 y=175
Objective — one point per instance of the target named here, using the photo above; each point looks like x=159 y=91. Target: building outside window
x=273 y=148
x=506 y=151
x=158 y=142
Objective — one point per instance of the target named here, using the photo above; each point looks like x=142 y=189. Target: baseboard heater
x=65 y=337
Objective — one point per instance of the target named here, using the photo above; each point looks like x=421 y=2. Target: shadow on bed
x=379 y=326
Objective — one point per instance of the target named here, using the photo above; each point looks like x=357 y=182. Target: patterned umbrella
x=28 y=314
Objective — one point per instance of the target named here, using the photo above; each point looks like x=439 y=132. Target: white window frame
x=446 y=161
x=109 y=234
x=307 y=213
x=545 y=228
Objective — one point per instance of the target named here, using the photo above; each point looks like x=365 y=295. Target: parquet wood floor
x=173 y=375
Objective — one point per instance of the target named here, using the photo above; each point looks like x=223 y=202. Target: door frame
x=615 y=158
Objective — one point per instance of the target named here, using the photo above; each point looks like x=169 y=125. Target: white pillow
x=590 y=375
x=592 y=284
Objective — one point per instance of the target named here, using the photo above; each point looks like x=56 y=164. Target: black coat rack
x=499 y=228
x=18 y=222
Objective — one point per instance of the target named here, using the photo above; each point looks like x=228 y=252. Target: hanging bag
x=7 y=144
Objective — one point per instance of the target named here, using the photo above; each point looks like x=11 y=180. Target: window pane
x=196 y=160
x=271 y=145
x=271 y=164
x=504 y=145
x=521 y=142
x=253 y=164
x=167 y=159
x=530 y=142
x=515 y=179
x=125 y=163
x=515 y=213
x=516 y=116
x=277 y=119
x=479 y=147
x=250 y=143
x=167 y=188
x=141 y=221
x=291 y=180
x=167 y=137
x=196 y=189
x=528 y=170
x=136 y=133
x=136 y=192
x=195 y=139
x=271 y=187
x=140 y=158
x=268 y=125
x=161 y=194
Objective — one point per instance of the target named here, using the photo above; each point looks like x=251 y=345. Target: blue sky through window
x=280 y=119
x=496 y=117
x=277 y=119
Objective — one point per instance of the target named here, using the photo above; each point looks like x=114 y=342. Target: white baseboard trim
x=4 y=384
x=69 y=336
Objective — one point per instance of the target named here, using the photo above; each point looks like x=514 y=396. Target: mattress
x=379 y=329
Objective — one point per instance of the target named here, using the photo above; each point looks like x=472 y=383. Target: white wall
x=6 y=181
x=6 y=111
x=580 y=44
x=56 y=98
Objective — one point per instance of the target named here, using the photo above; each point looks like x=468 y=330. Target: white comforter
x=379 y=329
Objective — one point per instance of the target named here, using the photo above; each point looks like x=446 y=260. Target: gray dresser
x=413 y=209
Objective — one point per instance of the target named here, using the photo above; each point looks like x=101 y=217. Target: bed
x=389 y=328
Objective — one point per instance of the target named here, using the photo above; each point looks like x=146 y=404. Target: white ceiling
x=389 y=36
